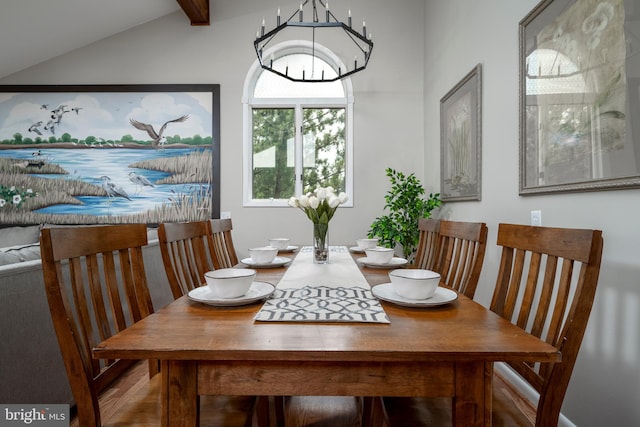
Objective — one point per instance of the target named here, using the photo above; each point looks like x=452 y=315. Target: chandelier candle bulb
x=327 y=6
x=349 y=18
x=364 y=28
x=300 y=12
x=262 y=27
x=278 y=17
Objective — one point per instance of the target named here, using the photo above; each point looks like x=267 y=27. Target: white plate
x=359 y=250
x=257 y=291
x=289 y=248
x=442 y=296
x=394 y=263
x=278 y=261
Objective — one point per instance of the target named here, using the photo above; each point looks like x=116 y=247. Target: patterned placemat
x=322 y=304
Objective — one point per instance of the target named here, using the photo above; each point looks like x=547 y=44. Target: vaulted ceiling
x=33 y=31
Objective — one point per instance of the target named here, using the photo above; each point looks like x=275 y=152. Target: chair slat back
x=221 y=243
x=96 y=286
x=461 y=255
x=428 y=243
x=546 y=284
x=185 y=255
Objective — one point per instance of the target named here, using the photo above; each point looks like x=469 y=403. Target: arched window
x=297 y=136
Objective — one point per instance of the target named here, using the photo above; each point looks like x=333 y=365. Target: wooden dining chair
x=184 y=248
x=186 y=255
x=546 y=285
x=428 y=243
x=96 y=286
x=221 y=243
x=460 y=255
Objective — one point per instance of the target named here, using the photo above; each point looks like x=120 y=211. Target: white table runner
x=341 y=271
x=333 y=292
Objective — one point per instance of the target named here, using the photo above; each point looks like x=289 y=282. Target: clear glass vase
x=320 y=243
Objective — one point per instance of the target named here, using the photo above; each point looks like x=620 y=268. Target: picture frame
x=102 y=154
x=577 y=96
x=461 y=139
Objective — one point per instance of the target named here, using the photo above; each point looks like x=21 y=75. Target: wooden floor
x=303 y=411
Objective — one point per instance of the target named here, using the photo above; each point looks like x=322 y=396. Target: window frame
x=249 y=102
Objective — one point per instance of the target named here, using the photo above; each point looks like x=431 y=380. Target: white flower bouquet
x=320 y=206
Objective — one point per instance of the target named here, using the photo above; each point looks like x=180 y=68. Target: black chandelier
x=315 y=34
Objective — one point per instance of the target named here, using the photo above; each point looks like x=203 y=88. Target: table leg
x=179 y=395
x=373 y=412
x=472 y=401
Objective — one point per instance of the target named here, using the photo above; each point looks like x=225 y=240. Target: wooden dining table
x=445 y=351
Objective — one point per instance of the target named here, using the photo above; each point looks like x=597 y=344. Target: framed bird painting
x=106 y=154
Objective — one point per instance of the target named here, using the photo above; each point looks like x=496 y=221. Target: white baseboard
x=526 y=390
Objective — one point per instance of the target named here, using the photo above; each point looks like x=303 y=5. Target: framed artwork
x=104 y=154
x=579 y=96
x=460 y=139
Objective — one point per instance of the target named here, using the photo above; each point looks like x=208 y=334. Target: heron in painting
x=112 y=189
x=156 y=137
x=139 y=180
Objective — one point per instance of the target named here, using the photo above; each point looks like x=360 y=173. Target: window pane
x=273 y=153
x=324 y=148
x=271 y=85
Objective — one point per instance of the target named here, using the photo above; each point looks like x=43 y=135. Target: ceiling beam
x=196 y=10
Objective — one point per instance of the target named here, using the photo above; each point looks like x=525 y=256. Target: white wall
x=605 y=387
x=388 y=97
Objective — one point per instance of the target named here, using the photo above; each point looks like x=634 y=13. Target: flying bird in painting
x=113 y=189
x=58 y=113
x=34 y=128
x=50 y=126
x=155 y=136
x=139 y=180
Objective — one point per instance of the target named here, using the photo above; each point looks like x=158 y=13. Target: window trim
x=249 y=102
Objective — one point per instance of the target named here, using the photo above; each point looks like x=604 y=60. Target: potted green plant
x=406 y=205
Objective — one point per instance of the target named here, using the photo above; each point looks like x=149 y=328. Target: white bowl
x=230 y=282
x=379 y=255
x=367 y=243
x=279 y=242
x=414 y=283
x=263 y=255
